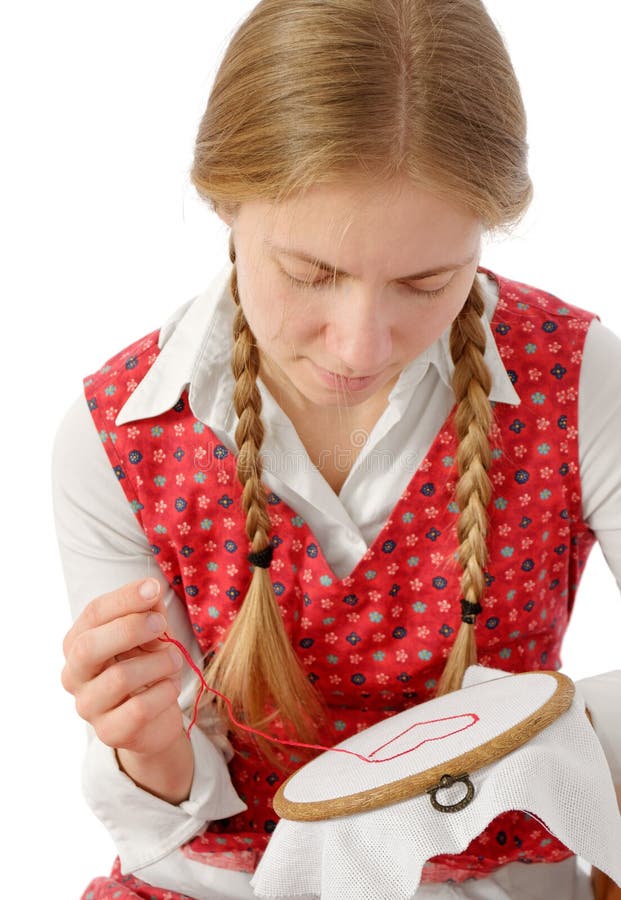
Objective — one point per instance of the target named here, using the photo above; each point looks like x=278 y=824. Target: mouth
x=332 y=379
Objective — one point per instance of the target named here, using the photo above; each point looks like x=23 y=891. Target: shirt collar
x=195 y=352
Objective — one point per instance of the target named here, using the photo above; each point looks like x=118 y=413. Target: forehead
x=394 y=226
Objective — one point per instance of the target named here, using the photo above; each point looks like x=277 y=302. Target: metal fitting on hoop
x=448 y=781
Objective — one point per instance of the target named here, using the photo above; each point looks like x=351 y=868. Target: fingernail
x=149 y=589
x=156 y=622
x=176 y=657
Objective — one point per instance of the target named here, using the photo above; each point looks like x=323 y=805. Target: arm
x=103 y=547
x=600 y=447
x=600 y=444
x=599 y=438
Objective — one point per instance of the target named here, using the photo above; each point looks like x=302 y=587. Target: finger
x=156 y=644
x=93 y=650
x=152 y=646
x=144 y=722
x=123 y=679
x=136 y=596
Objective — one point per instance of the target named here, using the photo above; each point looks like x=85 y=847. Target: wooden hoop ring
x=413 y=785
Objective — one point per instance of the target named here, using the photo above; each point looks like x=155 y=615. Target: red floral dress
x=374 y=642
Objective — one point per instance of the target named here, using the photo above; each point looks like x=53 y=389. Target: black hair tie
x=470 y=611
x=262 y=558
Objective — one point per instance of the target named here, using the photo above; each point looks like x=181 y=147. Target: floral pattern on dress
x=376 y=641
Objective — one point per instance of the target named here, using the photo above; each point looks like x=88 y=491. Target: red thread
x=440 y=737
x=474 y=718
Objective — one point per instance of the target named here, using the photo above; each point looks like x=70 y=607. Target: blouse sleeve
x=103 y=547
x=599 y=439
x=599 y=412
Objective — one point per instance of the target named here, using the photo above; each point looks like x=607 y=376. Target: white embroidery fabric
x=560 y=777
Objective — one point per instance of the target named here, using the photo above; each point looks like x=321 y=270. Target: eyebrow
x=417 y=276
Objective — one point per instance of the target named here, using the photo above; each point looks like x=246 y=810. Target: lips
x=340 y=381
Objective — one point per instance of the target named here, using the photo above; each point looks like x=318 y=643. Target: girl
x=355 y=451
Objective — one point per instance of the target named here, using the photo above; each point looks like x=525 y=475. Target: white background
x=102 y=237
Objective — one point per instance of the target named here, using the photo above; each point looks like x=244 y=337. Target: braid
x=257 y=667
x=471 y=384
x=249 y=433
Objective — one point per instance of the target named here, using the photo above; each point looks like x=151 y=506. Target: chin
x=335 y=399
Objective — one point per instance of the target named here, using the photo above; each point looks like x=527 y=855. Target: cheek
x=292 y=328
x=268 y=313
x=446 y=315
x=427 y=322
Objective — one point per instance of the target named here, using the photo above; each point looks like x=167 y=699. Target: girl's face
x=344 y=285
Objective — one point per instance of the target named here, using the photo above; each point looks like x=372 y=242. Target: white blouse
x=102 y=546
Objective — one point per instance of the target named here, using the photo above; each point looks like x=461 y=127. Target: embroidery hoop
x=315 y=777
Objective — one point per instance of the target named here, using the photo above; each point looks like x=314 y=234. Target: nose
x=359 y=334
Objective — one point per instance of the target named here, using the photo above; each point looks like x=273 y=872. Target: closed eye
x=324 y=282
x=435 y=293
x=313 y=285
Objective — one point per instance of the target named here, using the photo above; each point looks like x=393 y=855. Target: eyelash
x=316 y=285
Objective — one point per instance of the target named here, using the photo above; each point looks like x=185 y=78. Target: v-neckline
x=417 y=475
x=401 y=502
x=308 y=533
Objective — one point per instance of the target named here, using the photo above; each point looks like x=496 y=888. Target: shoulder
x=603 y=344
x=601 y=366
x=145 y=348
x=108 y=390
x=74 y=439
x=85 y=488
x=527 y=301
x=132 y=361
x=147 y=377
x=599 y=431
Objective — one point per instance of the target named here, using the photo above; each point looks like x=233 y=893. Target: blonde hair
x=309 y=92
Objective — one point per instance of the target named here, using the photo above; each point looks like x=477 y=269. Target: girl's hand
x=125 y=681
